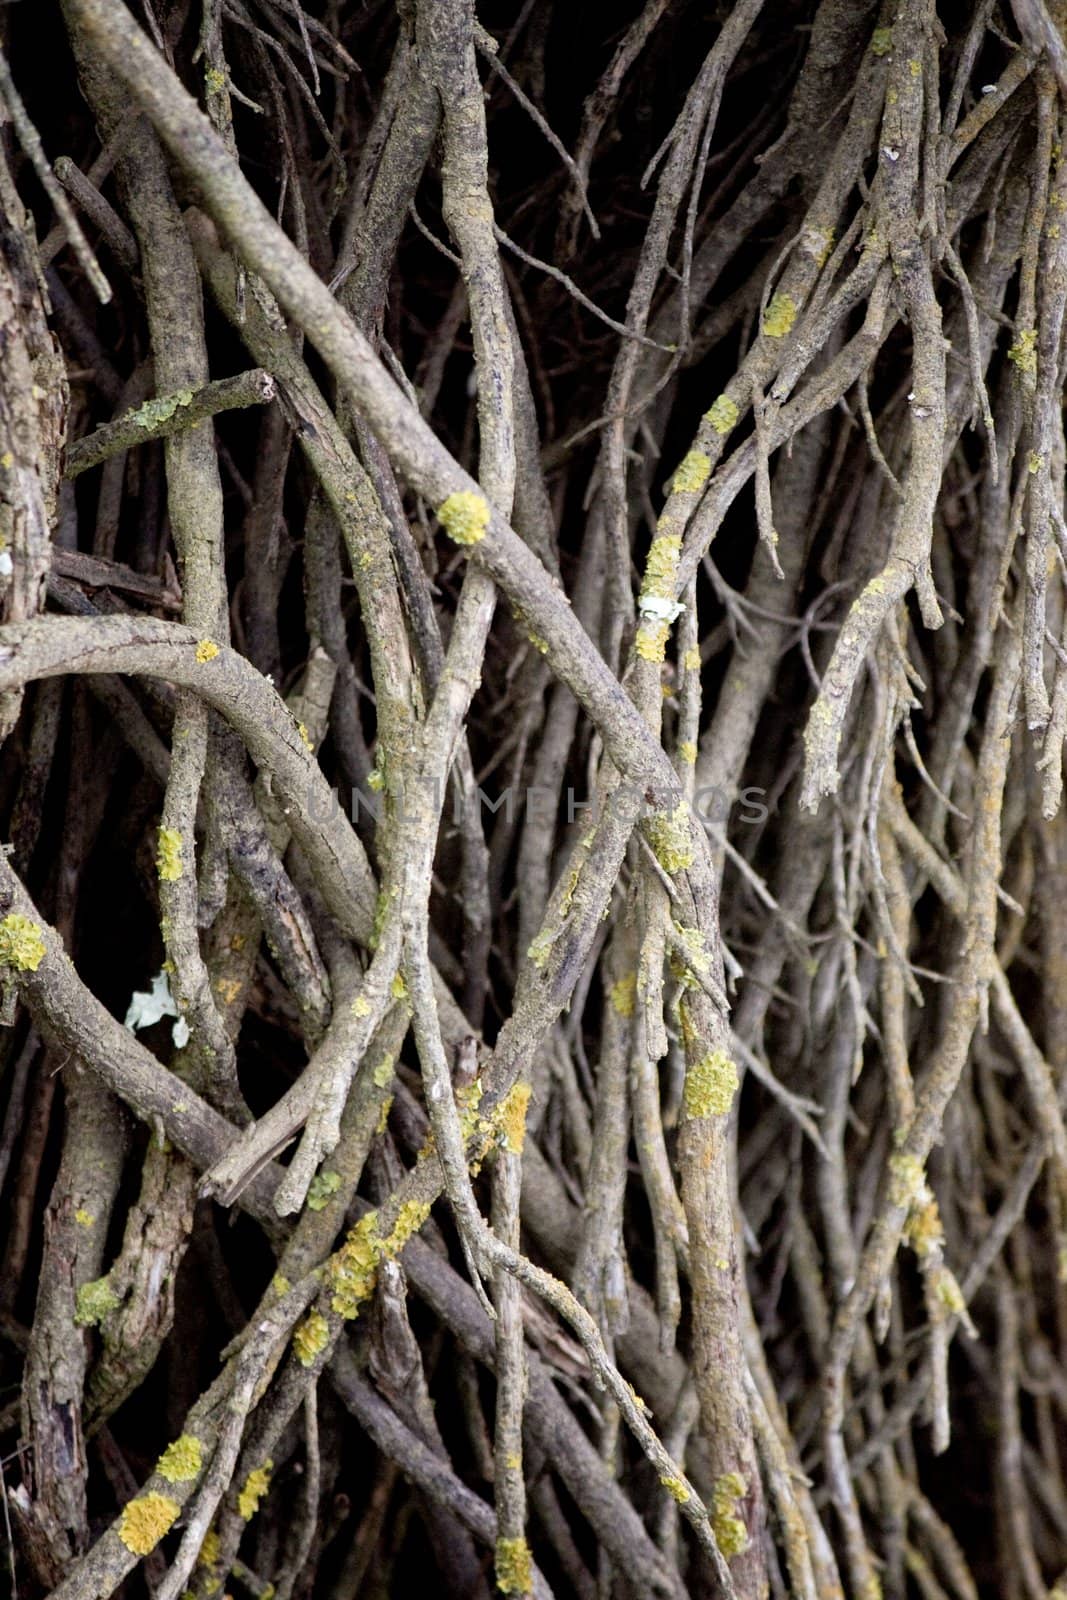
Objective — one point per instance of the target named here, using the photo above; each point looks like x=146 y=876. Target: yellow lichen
x=691 y=659
x=923 y=1229
x=145 y=1520
x=464 y=516
x=722 y=414
x=409 y=1220
x=881 y=41
x=691 y=957
x=398 y=988
x=514 y=1566
x=206 y=650
x=731 y=1535
x=209 y=1550
x=305 y=736
x=651 y=640
x=361 y=1006
x=83 y=1218
x=376 y=780
x=691 y=474
x=570 y=888
x=541 y=947
x=624 y=994
x=671 y=838
x=687 y=752
x=310 y=1338
x=256 y=1485
x=181 y=1460
x=169 y=855
x=280 y=1284
x=512 y=1117
x=469 y=1100
x=818 y=242
x=677 y=1488
x=322 y=1187
x=383 y=1115
x=915 y=67
x=21 y=943
x=353 y=1268
x=710 y=1086
x=215 y=80
x=661 y=568
x=949 y=1292
x=1035 y=462
x=905 y=1178
x=780 y=316
x=1024 y=352
x=382 y=1075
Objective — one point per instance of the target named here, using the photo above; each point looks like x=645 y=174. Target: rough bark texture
x=533 y=683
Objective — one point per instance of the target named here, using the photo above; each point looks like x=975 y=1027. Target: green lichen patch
x=464 y=517
x=881 y=41
x=731 y=1535
x=722 y=414
x=310 y=1338
x=322 y=1186
x=181 y=1460
x=280 y=1284
x=691 y=474
x=169 y=855
x=154 y=413
x=145 y=1520
x=382 y=1076
x=255 y=1487
x=780 y=316
x=710 y=1086
x=514 y=1566
x=671 y=838
x=93 y=1302
x=21 y=943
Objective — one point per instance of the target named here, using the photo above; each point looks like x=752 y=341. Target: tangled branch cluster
x=533 y=570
